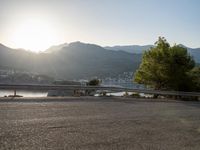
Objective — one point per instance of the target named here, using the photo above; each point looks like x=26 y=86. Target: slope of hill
x=56 y=48
x=195 y=52
x=130 y=48
x=74 y=61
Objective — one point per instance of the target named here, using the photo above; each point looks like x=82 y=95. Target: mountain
x=15 y=58
x=137 y=49
x=195 y=52
x=80 y=60
x=73 y=61
x=76 y=60
x=56 y=47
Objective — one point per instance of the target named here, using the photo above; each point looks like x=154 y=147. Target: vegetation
x=194 y=75
x=73 y=62
x=22 y=77
x=168 y=67
x=136 y=95
x=94 y=82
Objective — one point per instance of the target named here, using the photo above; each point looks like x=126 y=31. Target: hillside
x=195 y=52
x=74 y=61
x=77 y=60
x=137 y=49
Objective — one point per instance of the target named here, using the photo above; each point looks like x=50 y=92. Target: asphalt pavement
x=89 y=123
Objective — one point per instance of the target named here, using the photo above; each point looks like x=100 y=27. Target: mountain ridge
x=194 y=52
x=75 y=61
x=134 y=49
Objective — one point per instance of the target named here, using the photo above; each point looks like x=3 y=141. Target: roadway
x=91 y=123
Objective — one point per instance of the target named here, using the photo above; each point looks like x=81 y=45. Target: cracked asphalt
x=89 y=123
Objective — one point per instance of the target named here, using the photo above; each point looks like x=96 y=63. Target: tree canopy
x=94 y=82
x=166 y=67
x=194 y=75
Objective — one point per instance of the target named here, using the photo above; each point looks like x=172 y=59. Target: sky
x=39 y=24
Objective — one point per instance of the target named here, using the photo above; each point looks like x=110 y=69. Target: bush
x=94 y=82
x=136 y=95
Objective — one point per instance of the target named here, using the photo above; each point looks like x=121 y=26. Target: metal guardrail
x=79 y=87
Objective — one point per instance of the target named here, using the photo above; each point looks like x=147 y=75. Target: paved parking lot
x=99 y=123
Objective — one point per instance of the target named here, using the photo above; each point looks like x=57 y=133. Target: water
x=23 y=93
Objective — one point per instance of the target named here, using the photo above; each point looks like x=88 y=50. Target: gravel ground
x=91 y=123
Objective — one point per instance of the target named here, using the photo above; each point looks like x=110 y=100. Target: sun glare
x=34 y=35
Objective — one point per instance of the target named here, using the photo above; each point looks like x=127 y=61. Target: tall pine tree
x=165 y=67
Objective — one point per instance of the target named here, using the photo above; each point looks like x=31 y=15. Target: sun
x=34 y=35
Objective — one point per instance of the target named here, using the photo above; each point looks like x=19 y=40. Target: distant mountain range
x=137 y=49
x=72 y=61
x=195 y=52
x=56 y=48
x=78 y=60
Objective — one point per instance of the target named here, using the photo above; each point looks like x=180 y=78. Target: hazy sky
x=38 y=24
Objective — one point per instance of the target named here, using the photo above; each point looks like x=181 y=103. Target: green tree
x=194 y=75
x=94 y=82
x=165 y=67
